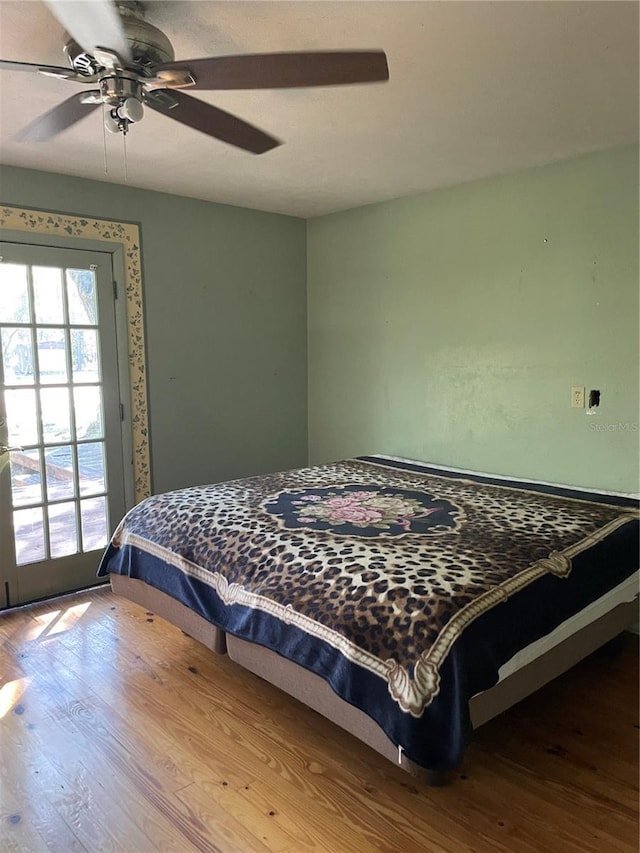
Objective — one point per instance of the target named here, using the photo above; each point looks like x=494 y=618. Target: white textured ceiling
x=476 y=89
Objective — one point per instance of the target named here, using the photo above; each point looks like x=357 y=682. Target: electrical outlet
x=577 y=397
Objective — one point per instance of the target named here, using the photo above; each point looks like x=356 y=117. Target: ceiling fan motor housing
x=115 y=90
x=149 y=45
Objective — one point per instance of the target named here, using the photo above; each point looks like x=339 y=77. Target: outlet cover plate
x=577 y=397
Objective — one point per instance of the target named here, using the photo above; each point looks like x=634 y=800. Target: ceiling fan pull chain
x=124 y=148
x=104 y=140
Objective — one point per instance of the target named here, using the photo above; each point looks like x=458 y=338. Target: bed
x=407 y=602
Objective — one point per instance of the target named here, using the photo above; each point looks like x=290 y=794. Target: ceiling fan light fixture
x=127 y=112
x=131 y=109
x=111 y=123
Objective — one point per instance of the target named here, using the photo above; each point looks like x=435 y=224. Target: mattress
x=501 y=477
x=624 y=593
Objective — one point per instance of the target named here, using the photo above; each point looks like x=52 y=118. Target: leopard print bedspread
x=386 y=565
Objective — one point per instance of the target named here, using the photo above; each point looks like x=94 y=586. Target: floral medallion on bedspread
x=386 y=565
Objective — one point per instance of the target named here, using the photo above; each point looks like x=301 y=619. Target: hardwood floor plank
x=100 y=816
x=226 y=833
x=326 y=828
x=573 y=760
x=16 y=836
x=122 y=733
x=234 y=820
x=18 y=831
x=28 y=774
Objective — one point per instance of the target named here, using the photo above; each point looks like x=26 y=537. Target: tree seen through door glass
x=85 y=355
x=81 y=294
x=14 y=294
x=17 y=356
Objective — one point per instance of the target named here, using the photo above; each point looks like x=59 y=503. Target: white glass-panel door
x=61 y=455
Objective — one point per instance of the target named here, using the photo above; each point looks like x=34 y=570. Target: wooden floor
x=118 y=732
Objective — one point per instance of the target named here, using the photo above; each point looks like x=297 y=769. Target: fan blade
x=58 y=119
x=284 y=70
x=92 y=23
x=53 y=70
x=211 y=120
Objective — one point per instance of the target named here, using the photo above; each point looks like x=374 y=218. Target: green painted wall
x=441 y=326
x=225 y=313
x=450 y=326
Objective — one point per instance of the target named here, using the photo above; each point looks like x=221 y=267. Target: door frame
x=122 y=242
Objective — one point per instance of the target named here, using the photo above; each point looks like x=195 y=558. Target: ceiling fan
x=131 y=63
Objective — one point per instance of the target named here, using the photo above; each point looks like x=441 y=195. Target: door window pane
x=88 y=409
x=47 y=294
x=93 y=513
x=63 y=534
x=52 y=356
x=60 y=472
x=14 y=294
x=81 y=293
x=26 y=477
x=84 y=355
x=56 y=421
x=22 y=418
x=91 y=468
x=29 y=535
x=17 y=356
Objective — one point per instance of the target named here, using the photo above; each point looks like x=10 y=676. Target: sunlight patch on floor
x=10 y=693
x=42 y=622
x=46 y=625
x=67 y=619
